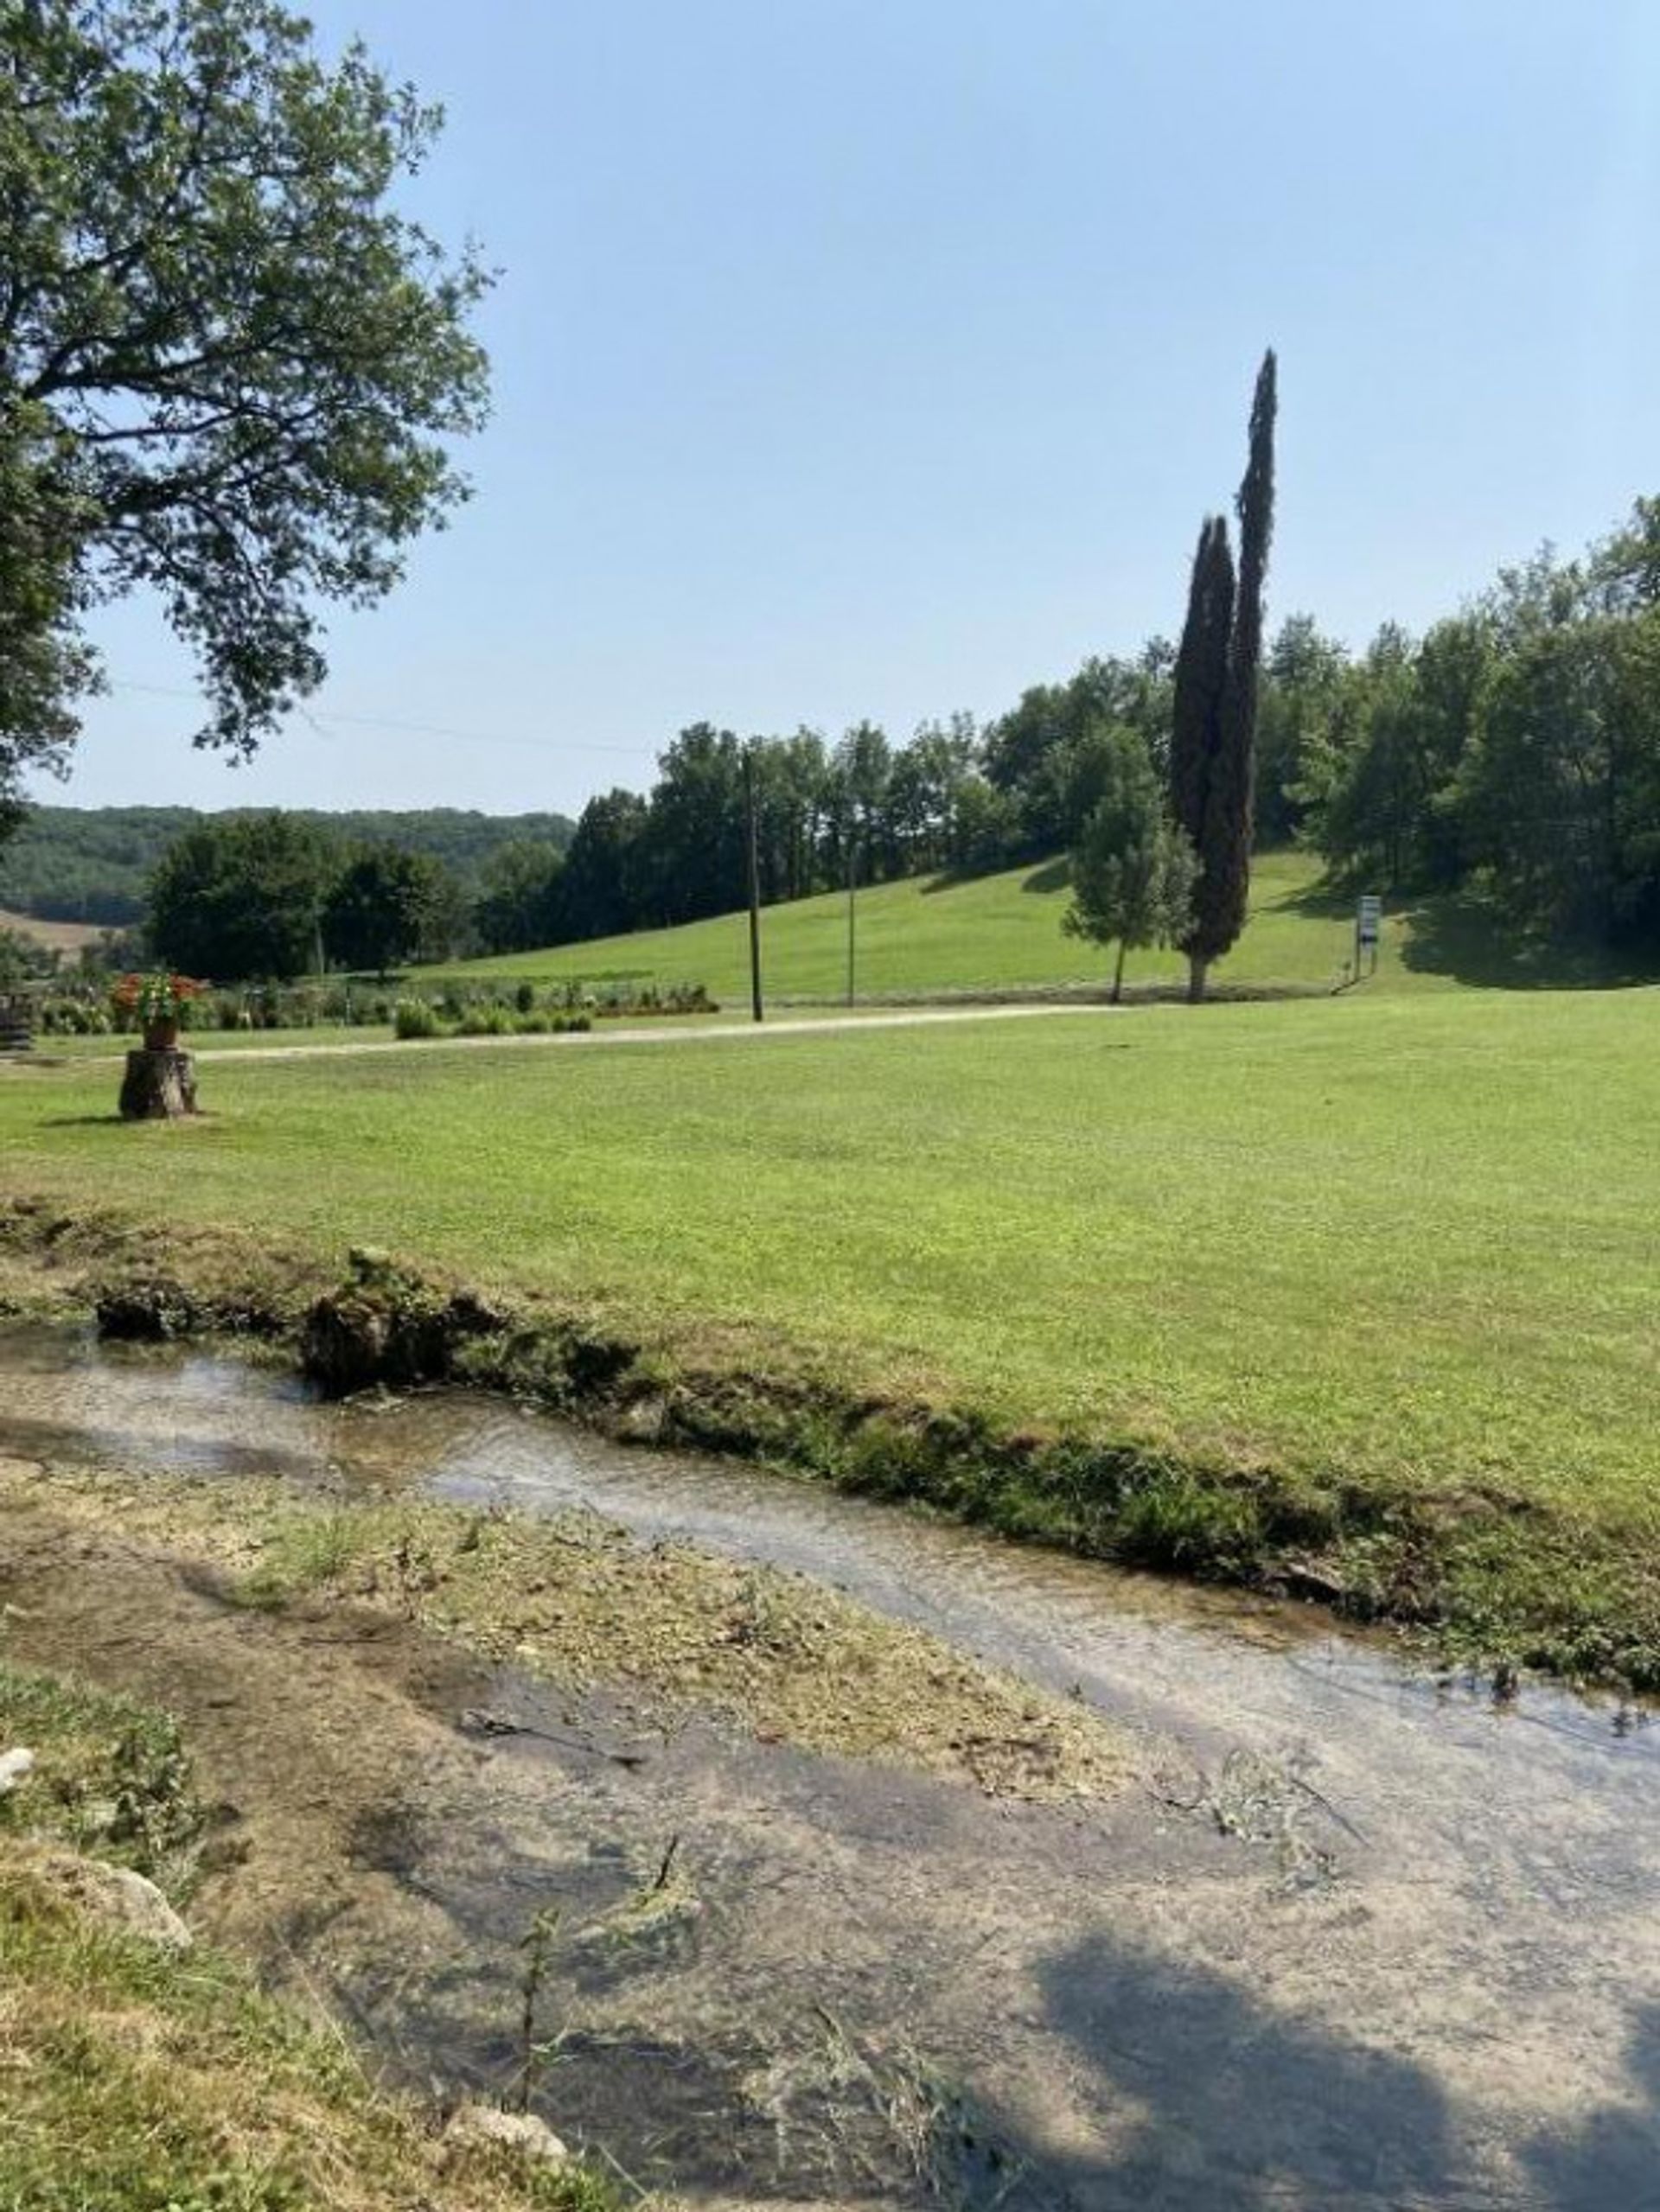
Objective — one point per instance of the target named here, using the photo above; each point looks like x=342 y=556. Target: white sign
x=1370 y=926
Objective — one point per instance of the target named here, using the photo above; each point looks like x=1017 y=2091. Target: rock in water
x=114 y=1895
x=15 y=1767
x=483 y=2127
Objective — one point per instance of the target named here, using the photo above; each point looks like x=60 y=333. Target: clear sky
x=880 y=357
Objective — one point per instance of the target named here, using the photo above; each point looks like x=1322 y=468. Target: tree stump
x=158 y=1086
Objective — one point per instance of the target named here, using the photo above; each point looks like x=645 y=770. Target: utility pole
x=754 y=885
x=852 y=890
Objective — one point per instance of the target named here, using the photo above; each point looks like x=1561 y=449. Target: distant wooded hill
x=90 y=864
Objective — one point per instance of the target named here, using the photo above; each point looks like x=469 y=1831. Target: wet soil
x=1356 y=1936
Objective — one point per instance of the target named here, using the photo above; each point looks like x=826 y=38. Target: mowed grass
x=933 y=935
x=1409 y=1241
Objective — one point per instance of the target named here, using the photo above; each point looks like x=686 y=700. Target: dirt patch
x=582 y=1605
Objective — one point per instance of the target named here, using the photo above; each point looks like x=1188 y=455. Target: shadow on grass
x=1463 y=938
x=1048 y=875
x=1217 y=2100
x=1460 y=935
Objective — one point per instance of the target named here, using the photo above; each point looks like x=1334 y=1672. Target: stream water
x=1356 y=1936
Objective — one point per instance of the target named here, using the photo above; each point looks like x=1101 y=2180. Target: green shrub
x=415 y=1017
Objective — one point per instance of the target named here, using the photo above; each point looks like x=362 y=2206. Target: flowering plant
x=158 y=996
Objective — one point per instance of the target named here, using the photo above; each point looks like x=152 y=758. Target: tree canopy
x=230 y=370
x=1133 y=870
x=1218 y=673
x=242 y=897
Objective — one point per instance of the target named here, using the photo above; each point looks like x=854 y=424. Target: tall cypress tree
x=1213 y=754
x=1197 y=723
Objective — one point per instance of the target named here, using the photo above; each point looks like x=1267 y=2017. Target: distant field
x=61 y=936
x=992 y=933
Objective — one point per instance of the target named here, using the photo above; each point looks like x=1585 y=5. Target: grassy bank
x=932 y=935
x=1368 y=1278
x=142 y=2078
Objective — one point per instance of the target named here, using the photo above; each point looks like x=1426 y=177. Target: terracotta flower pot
x=161 y=1035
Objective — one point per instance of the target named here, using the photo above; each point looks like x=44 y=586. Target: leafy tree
x=985 y=832
x=602 y=892
x=924 y=785
x=44 y=664
x=1133 y=870
x=386 y=907
x=864 y=767
x=522 y=906
x=694 y=855
x=20 y=958
x=1301 y=698
x=230 y=370
x=1561 y=792
x=241 y=898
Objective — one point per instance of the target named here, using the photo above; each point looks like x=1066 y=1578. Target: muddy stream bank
x=1349 y=1936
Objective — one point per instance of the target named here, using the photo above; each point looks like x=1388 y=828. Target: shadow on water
x=1208 y=2100
x=1210 y=2103
x=1613 y=2157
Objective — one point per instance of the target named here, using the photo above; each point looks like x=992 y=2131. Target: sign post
x=1369 y=927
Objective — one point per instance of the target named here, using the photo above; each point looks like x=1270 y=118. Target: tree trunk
x=1118 y=975
x=158 y=1086
x=1196 y=971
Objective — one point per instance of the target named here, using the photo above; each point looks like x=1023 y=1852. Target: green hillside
x=935 y=934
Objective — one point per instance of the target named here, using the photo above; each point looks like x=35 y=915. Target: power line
x=318 y=722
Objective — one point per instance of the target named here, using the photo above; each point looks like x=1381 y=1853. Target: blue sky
x=880 y=357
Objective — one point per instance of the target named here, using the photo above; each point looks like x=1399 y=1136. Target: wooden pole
x=852 y=891
x=755 y=887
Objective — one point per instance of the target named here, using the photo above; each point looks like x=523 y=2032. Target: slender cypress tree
x=1213 y=754
x=1197 y=724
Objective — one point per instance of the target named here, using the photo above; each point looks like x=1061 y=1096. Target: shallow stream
x=1355 y=1936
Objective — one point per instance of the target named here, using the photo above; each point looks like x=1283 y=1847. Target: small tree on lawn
x=1133 y=872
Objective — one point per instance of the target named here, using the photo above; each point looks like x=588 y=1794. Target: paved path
x=665 y=1033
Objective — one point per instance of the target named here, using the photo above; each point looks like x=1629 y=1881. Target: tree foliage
x=387 y=906
x=230 y=368
x=1203 y=790
x=1132 y=870
x=241 y=897
x=1513 y=751
x=1213 y=759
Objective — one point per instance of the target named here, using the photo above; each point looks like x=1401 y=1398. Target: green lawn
x=931 y=934
x=1411 y=1239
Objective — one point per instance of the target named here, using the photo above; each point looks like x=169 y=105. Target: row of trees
x=243 y=896
x=1513 y=749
